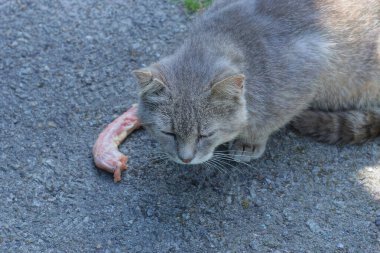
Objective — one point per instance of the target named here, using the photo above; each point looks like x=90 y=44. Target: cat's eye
x=169 y=133
x=208 y=135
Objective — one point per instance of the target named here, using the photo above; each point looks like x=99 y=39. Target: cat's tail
x=345 y=127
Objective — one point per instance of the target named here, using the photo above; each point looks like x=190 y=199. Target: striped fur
x=344 y=127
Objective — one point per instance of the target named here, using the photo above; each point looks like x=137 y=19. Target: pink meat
x=106 y=153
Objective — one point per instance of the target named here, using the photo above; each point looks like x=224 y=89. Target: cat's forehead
x=188 y=73
x=189 y=115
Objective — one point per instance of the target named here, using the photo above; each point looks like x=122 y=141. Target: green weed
x=196 y=5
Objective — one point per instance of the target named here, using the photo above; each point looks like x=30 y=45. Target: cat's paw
x=243 y=152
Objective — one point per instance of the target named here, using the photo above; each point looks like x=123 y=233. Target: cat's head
x=191 y=114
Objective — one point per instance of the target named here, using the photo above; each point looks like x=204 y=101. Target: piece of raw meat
x=106 y=153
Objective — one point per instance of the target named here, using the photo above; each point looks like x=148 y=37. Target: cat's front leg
x=248 y=147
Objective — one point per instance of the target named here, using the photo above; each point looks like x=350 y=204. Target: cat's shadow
x=297 y=180
x=288 y=159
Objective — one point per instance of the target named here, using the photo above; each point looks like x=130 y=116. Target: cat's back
x=353 y=80
x=245 y=14
x=341 y=17
x=347 y=32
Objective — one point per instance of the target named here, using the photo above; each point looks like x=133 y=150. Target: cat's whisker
x=160 y=157
x=225 y=164
x=212 y=167
x=219 y=162
x=208 y=165
x=230 y=159
x=241 y=155
x=221 y=166
x=230 y=165
x=159 y=153
x=216 y=166
x=227 y=151
x=154 y=159
x=232 y=155
x=158 y=161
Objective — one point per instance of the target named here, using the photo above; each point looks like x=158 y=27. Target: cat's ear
x=152 y=89
x=144 y=76
x=155 y=87
x=230 y=87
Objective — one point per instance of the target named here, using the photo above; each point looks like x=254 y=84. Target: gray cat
x=249 y=67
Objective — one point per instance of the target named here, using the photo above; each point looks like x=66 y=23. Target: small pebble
x=40 y=85
x=49 y=162
x=14 y=44
x=150 y=212
x=36 y=203
x=186 y=216
x=52 y=124
x=52 y=199
x=340 y=246
x=313 y=226
x=229 y=200
x=254 y=245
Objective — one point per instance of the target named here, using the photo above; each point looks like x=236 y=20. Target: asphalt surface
x=65 y=73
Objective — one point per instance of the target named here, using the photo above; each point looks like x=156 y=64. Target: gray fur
x=292 y=55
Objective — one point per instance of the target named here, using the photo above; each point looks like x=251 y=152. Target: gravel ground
x=65 y=72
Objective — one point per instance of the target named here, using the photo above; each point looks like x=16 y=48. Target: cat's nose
x=186 y=153
x=186 y=160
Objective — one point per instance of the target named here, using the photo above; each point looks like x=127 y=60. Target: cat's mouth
x=195 y=160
